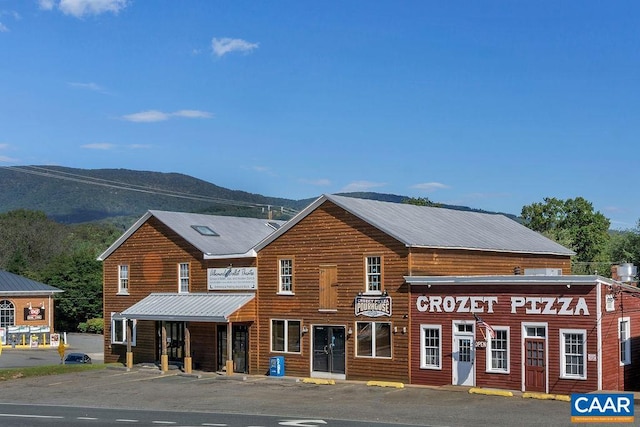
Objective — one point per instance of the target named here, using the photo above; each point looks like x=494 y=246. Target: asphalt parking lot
x=147 y=388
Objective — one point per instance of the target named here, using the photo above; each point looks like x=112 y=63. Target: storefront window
x=573 y=349
x=285 y=336
x=373 y=339
x=499 y=351
x=7 y=313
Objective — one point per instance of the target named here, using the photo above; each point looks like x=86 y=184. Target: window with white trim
x=430 y=347
x=286 y=276
x=7 y=313
x=123 y=279
x=573 y=353
x=285 y=335
x=624 y=336
x=119 y=331
x=183 y=277
x=373 y=339
x=498 y=351
x=374 y=274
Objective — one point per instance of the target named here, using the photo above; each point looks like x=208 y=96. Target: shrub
x=92 y=326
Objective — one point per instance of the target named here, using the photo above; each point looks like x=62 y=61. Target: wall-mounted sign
x=35 y=313
x=232 y=278
x=561 y=306
x=372 y=306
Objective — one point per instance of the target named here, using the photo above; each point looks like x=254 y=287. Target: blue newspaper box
x=276 y=366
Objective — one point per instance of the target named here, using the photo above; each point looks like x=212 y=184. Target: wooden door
x=328 y=287
x=535 y=369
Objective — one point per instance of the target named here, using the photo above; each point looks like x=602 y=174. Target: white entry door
x=464 y=354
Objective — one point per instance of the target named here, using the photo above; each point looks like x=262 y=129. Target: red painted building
x=549 y=334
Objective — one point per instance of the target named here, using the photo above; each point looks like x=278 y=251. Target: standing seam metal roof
x=13 y=284
x=236 y=235
x=431 y=227
x=209 y=307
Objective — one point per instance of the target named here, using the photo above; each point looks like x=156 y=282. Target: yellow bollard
x=187 y=365
x=129 y=360
x=164 y=362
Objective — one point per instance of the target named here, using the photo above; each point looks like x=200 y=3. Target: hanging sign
x=372 y=306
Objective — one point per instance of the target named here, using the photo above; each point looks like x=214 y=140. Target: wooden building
x=547 y=334
x=332 y=300
x=26 y=311
x=179 y=288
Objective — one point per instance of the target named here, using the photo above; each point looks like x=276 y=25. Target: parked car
x=77 y=359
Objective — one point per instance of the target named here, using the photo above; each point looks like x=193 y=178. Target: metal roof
x=199 y=307
x=13 y=284
x=431 y=227
x=236 y=236
x=533 y=280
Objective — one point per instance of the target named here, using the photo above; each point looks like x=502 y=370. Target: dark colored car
x=77 y=359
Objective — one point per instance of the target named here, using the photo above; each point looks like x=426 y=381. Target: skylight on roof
x=204 y=230
x=273 y=225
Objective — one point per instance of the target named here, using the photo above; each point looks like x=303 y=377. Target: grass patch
x=39 y=371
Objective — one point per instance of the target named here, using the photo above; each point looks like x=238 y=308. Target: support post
x=164 y=357
x=187 y=348
x=129 y=358
x=229 y=364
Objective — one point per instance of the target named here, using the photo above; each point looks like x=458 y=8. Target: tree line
x=65 y=256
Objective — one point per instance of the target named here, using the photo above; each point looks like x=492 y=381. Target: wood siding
x=441 y=262
x=153 y=253
x=331 y=236
x=503 y=316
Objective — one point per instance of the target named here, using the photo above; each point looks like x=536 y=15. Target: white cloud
x=99 y=146
x=3 y=28
x=7 y=159
x=192 y=114
x=139 y=146
x=46 y=4
x=362 y=186
x=322 y=182
x=430 y=186
x=225 y=45
x=82 y=8
x=4 y=146
x=88 y=86
x=159 y=116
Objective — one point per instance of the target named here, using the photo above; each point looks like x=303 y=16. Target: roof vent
x=627 y=272
x=273 y=225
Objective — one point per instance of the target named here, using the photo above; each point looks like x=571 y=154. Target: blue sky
x=488 y=104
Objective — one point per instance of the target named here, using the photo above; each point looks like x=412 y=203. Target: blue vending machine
x=276 y=366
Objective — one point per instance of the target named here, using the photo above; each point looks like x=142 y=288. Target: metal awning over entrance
x=209 y=307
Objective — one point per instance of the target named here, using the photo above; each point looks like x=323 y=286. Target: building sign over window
x=372 y=306
x=35 y=313
x=230 y=278
x=561 y=306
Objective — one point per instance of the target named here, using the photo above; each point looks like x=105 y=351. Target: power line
x=83 y=179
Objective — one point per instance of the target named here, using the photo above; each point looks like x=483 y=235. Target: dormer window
x=204 y=230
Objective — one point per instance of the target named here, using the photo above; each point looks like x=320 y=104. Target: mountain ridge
x=73 y=195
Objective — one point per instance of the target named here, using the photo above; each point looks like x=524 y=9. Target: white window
x=373 y=339
x=624 y=335
x=285 y=336
x=573 y=353
x=498 y=351
x=7 y=313
x=374 y=274
x=286 y=276
x=183 y=280
x=119 y=330
x=123 y=279
x=430 y=347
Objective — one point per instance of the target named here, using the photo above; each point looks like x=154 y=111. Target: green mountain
x=71 y=195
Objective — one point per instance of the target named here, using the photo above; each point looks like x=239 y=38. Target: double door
x=239 y=349
x=328 y=352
